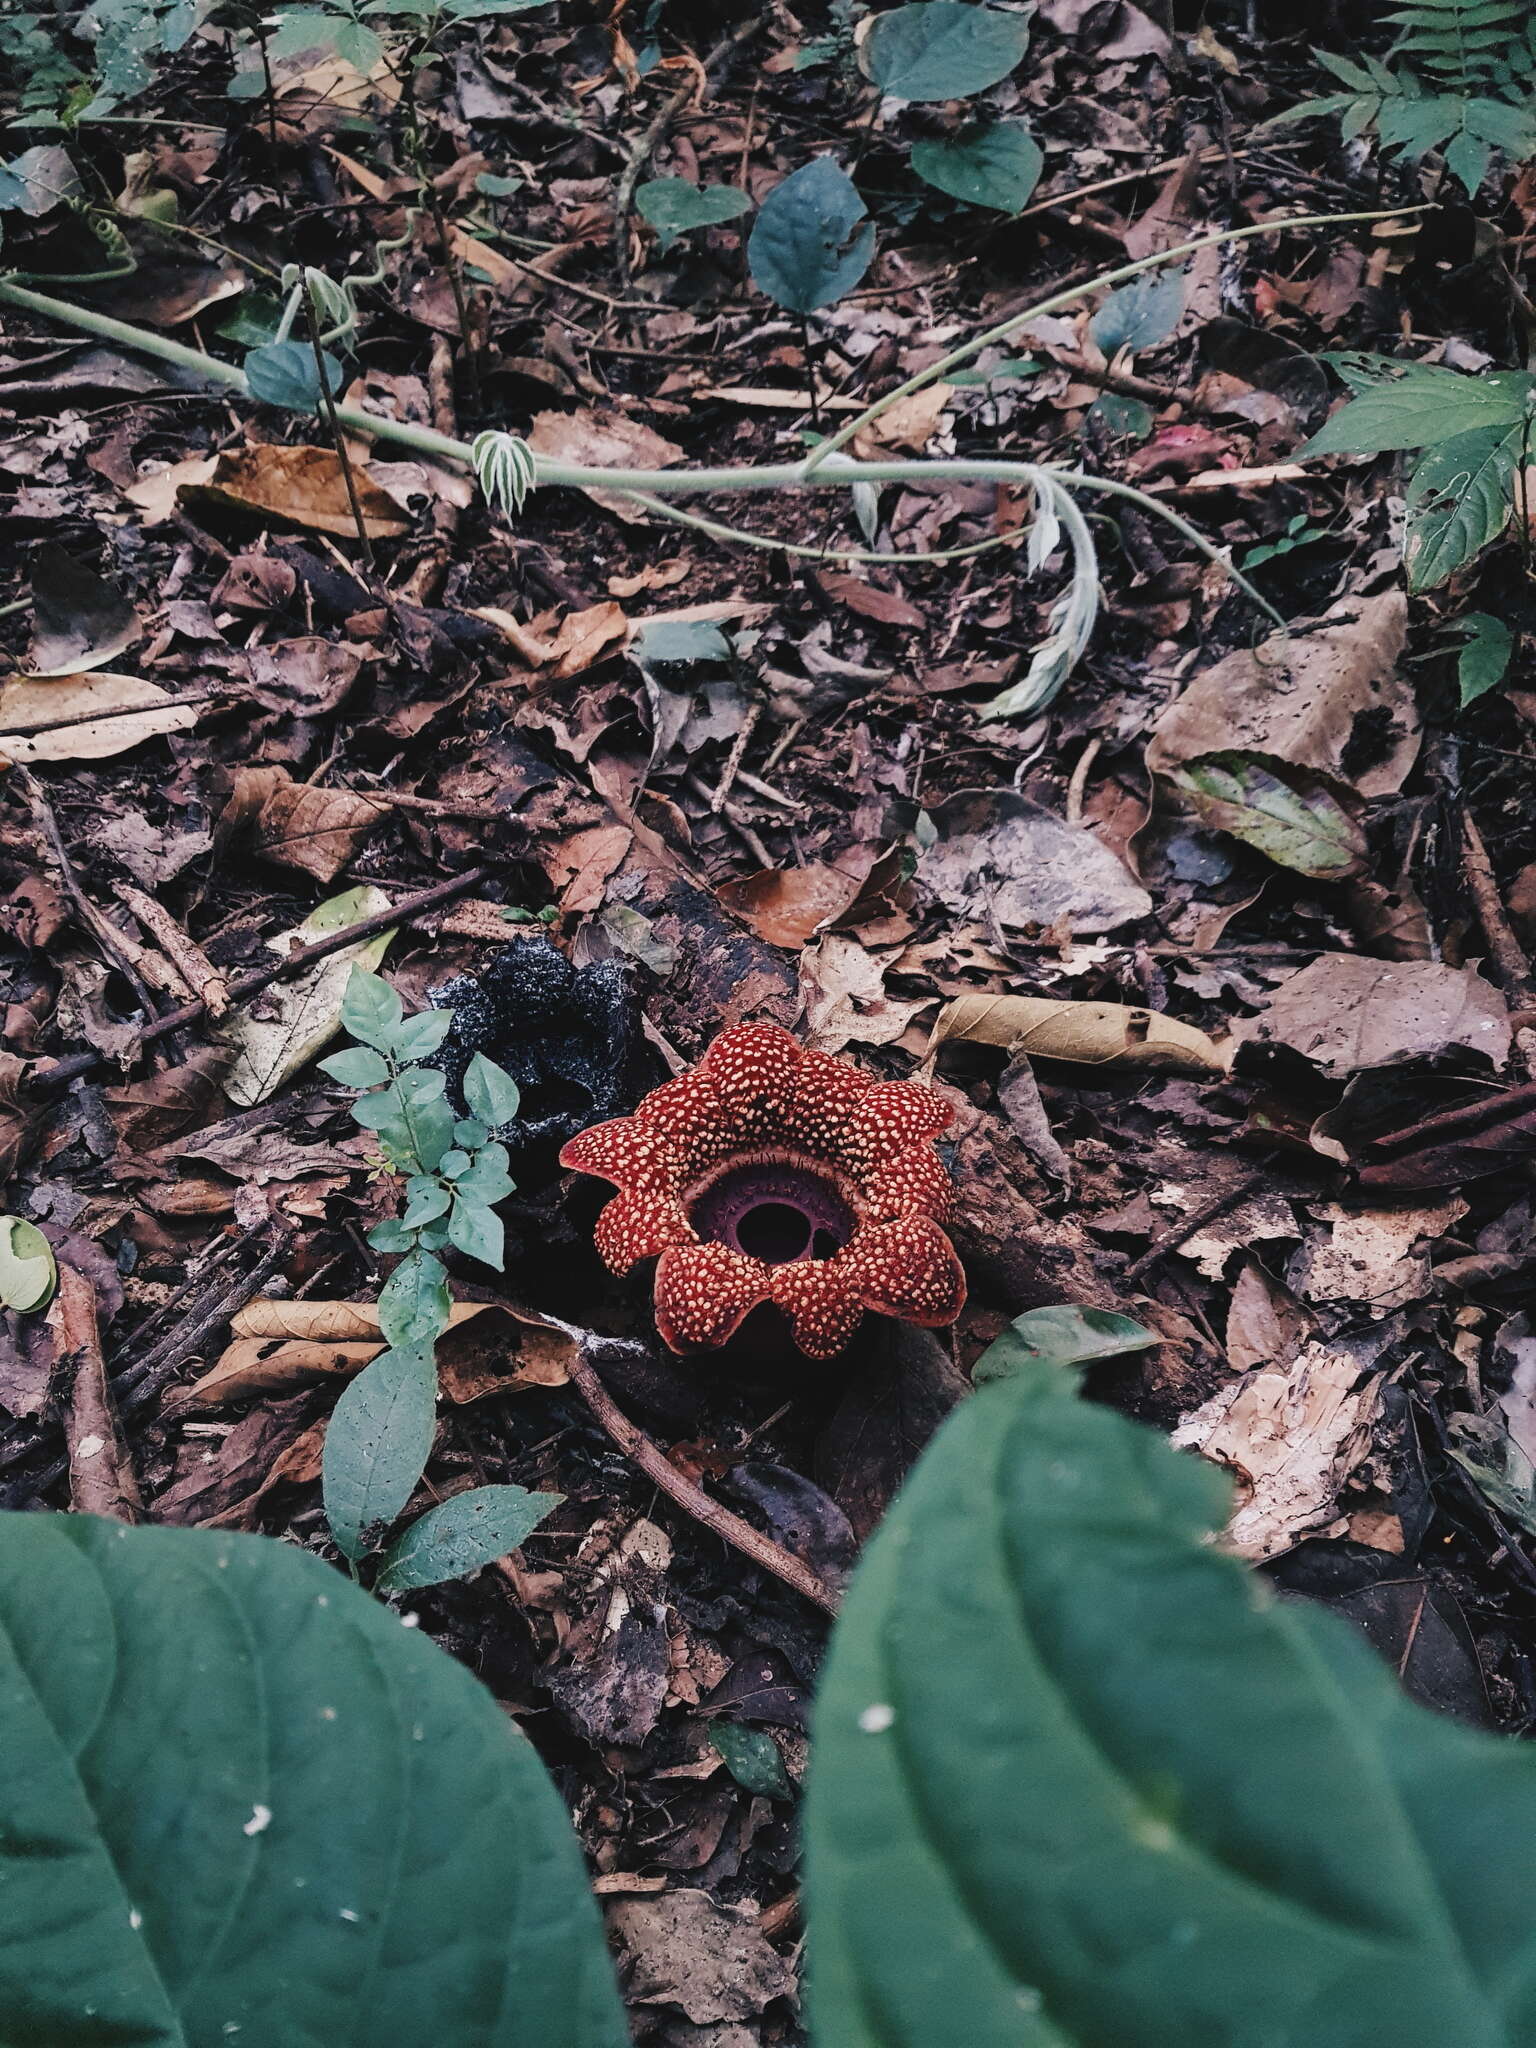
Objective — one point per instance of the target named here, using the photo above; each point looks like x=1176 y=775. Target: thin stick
x=50 y=1080
x=759 y=1549
x=101 y=1478
x=328 y=407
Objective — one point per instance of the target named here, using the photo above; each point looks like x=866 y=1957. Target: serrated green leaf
x=462 y=1535
x=1288 y=814
x=28 y=1271
x=476 y=1230
x=998 y=166
x=942 y=49
x=358 y=1067
x=371 y=1010
x=1078 y=1777
x=413 y=1303
x=1063 y=1336
x=377 y=1445
x=490 y=1092
x=753 y=1759
x=810 y=243
x=676 y=208
x=1142 y=313
x=1459 y=500
x=242 y=1803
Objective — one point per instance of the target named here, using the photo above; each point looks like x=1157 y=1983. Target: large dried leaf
x=300 y=487
x=127 y=712
x=316 y=830
x=79 y=622
x=1478 y=1138
x=291 y=1021
x=1346 y=1013
x=999 y=855
x=1088 y=1034
x=1333 y=699
x=603 y=441
x=786 y=906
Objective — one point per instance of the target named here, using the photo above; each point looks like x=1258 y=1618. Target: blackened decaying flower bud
x=565 y=1034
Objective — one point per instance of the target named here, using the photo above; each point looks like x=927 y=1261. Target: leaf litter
x=1235 y=1022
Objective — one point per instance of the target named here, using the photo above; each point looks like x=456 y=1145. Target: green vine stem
x=814 y=471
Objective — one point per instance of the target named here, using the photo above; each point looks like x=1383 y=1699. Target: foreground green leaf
x=241 y=1802
x=28 y=1271
x=1286 y=813
x=675 y=208
x=1059 y=1336
x=377 y=1446
x=1413 y=405
x=1460 y=497
x=1078 y=1778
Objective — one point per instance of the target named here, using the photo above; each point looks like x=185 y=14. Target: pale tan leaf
x=1088 y=1034
x=131 y=711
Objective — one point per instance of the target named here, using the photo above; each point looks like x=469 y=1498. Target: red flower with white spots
x=773 y=1173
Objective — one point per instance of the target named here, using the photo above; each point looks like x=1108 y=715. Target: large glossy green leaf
x=1460 y=497
x=810 y=243
x=942 y=49
x=1079 y=1778
x=241 y=1803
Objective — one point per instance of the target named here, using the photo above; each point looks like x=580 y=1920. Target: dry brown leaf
x=785 y=906
x=131 y=711
x=845 y=1000
x=1379 y=1258
x=580 y=866
x=657 y=576
x=584 y=637
x=1292 y=1436
x=1345 y=1014
x=910 y=423
x=1334 y=700
x=869 y=599
x=299 y=826
x=488 y=1347
x=1088 y=1034
x=302 y=487
x=603 y=441
x=998 y=856
x=158 y=494
x=770 y=397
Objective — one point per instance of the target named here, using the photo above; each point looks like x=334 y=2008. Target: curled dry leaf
x=1345 y=1014
x=1088 y=1034
x=301 y=487
x=786 y=906
x=1477 y=1138
x=845 y=999
x=127 y=711
x=277 y=1345
x=1332 y=699
x=297 y=825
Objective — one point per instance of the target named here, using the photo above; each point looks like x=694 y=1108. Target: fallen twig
x=101 y=1477
x=50 y=1080
x=759 y=1549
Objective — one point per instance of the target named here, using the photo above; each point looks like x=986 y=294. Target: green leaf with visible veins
x=1460 y=498
x=1287 y=813
x=1079 y=1778
x=242 y=1803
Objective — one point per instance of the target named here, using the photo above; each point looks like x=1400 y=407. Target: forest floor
x=819 y=826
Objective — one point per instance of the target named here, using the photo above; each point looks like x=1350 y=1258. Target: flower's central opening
x=778 y=1212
